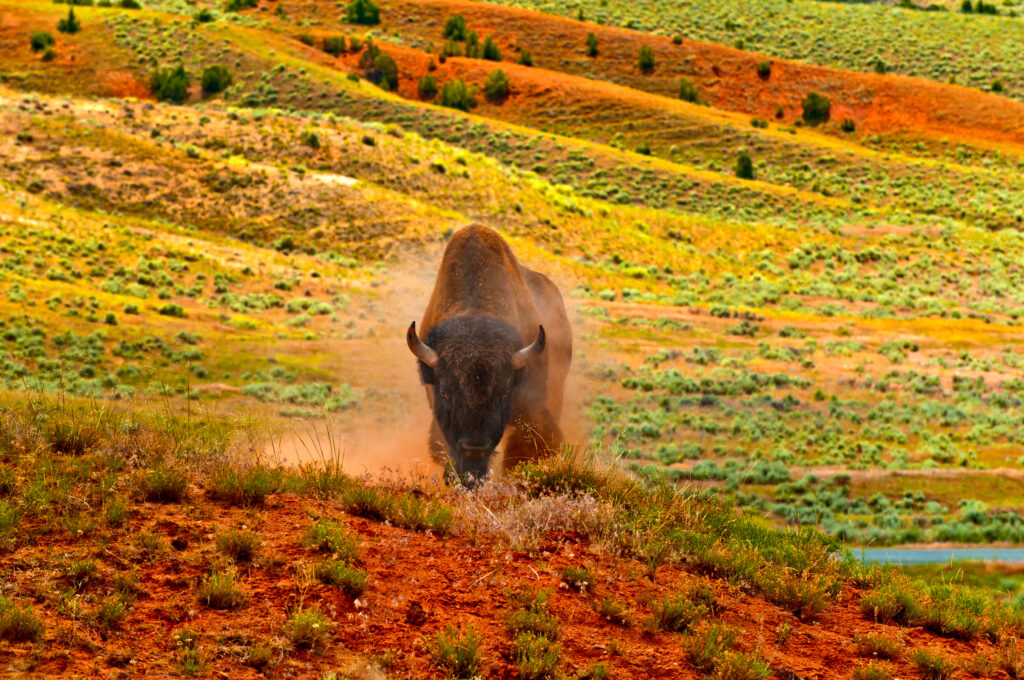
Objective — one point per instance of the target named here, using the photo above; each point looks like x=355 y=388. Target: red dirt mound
x=418 y=584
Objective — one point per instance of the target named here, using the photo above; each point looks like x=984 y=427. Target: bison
x=494 y=355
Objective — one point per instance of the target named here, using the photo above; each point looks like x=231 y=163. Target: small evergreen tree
x=525 y=58
x=41 y=40
x=379 y=68
x=744 y=166
x=646 y=59
x=967 y=7
x=472 y=45
x=170 y=84
x=450 y=49
x=216 y=79
x=457 y=95
x=455 y=28
x=428 y=87
x=816 y=109
x=70 y=23
x=496 y=88
x=363 y=12
x=591 y=45
x=491 y=51
x=334 y=45
x=687 y=91
x=764 y=70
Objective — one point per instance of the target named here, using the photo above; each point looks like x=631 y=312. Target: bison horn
x=421 y=349
x=527 y=354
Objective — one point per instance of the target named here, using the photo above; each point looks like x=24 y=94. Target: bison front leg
x=533 y=436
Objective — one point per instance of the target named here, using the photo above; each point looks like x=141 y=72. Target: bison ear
x=528 y=354
x=422 y=351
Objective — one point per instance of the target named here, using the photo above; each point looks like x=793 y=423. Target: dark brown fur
x=484 y=307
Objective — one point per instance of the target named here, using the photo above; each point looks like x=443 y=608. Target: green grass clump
x=308 y=628
x=805 y=597
x=115 y=511
x=19 y=624
x=81 y=572
x=456 y=652
x=530 y=614
x=982 y=665
x=190 y=659
x=536 y=656
x=932 y=664
x=954 y=611
x=245 y=485
x=369 y=502
x=577 y=578
x=341 y=575
x=612 y=611
x=879 y=646
x=220 y=591
x=239 y=545
x=741 y=666
x=706 y=646
x=892 y=603
x=71 y=435
x=534 y=633
x=163 y=483
x=872 y=670
x=334 y=539
x=151 y=545
x=111 y=611
x=676 y=613
x=423 y=515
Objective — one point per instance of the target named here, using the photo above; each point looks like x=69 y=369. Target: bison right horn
x=526 y=354
x=421 y=349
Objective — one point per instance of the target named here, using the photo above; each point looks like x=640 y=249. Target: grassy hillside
x=969 y=49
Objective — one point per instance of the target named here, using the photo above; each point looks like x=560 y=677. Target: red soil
x=84 y=64
x=418 y=584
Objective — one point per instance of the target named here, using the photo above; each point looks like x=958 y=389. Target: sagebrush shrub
x=817 y=109
x=170 y=84
x=216 y=79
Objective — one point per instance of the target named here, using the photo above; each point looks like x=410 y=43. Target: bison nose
x=475 y=446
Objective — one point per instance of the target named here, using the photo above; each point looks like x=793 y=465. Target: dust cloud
x=387 y=433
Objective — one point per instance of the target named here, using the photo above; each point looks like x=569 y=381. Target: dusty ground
x=418 y=584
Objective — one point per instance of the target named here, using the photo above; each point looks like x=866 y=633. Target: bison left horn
x=527 y=354
x=421 y=349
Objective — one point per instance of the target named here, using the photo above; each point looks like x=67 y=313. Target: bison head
x=472 y=365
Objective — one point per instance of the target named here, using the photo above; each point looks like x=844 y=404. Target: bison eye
x=444 y=395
